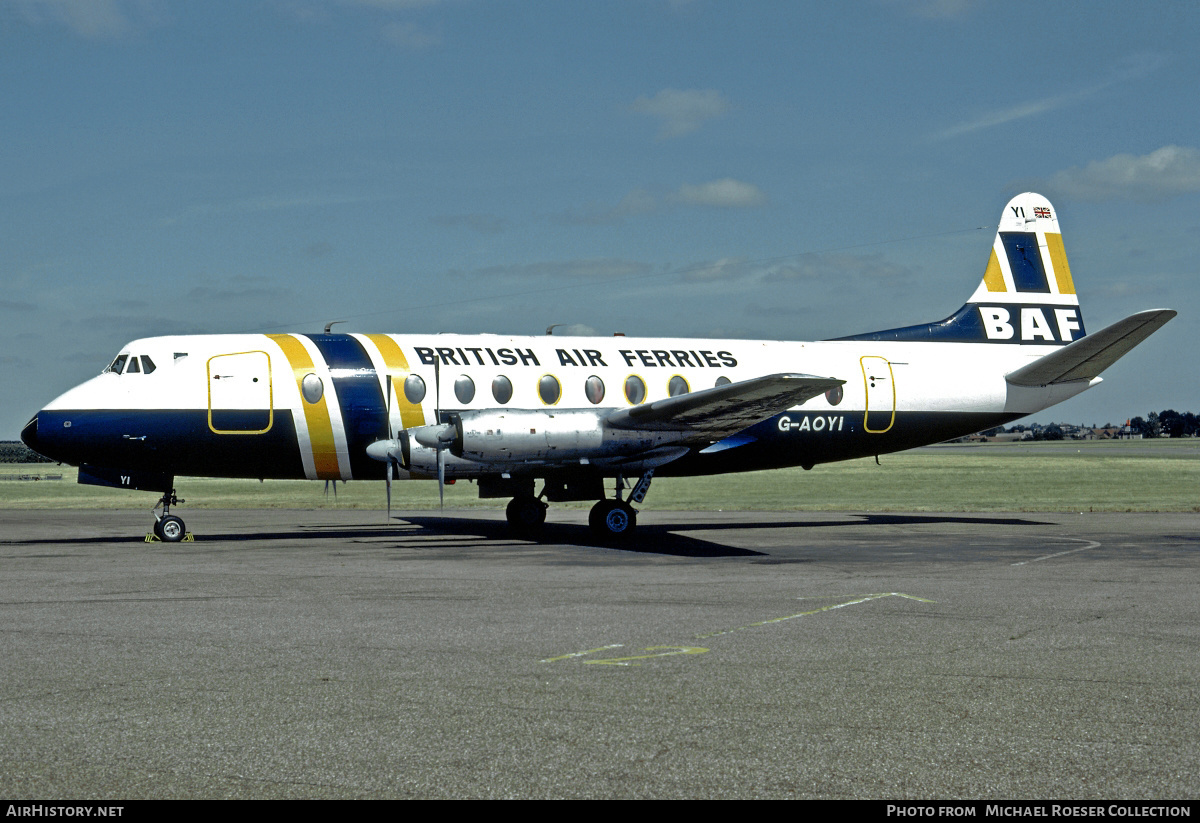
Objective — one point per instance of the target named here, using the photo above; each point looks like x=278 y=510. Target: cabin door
x=239 y=393
x=880 y=413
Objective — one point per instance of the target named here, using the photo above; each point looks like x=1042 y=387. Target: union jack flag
x=1040 y=211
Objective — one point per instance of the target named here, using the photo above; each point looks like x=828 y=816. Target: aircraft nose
x=29 y=435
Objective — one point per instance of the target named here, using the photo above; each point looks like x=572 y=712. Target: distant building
x=1127 y=433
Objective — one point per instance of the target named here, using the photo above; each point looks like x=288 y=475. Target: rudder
x=1028 y=262
x=1027 y=294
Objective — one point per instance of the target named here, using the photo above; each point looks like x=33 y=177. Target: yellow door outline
x=873 y=379
x=270 y=394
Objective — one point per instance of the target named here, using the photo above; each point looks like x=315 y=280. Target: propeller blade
x=391 y=434
x=389 y=490
x=437 y=390
x=441 y=455
x=391 y=437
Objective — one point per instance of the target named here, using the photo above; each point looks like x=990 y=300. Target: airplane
x=575 y=413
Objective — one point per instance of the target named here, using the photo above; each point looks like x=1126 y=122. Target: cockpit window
x=133 y=367
x=147 y=365
x=117 y=366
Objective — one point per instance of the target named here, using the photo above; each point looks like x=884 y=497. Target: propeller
x=441 y=451
x=438 y=436
x=391 y=437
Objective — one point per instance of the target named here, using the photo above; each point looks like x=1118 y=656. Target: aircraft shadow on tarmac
x=649 y=539
x=673 y=539
x=665 y=539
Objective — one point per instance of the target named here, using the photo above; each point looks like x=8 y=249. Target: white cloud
x=410 y=36
x=1132 y=67
x=589 y=268
x=842 y=269
x=724 y=193
x=393 y=5
x=1002 y=116
x=681 y=112
x=93 y=19
x=1163 y=173
x=940 y=9
x=482 y=223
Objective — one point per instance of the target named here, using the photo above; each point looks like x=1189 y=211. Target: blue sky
x=741 y=169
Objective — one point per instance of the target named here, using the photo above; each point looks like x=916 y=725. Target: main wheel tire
x=170 y=529
x=526 y=515
x=612 y=519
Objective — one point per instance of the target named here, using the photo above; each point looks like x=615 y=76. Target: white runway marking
x=1091 y=544
x=668 y=651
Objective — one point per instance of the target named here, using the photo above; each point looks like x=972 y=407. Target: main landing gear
x=526 y=515
x=167 y=527
x=610 y=519
x=616 y=519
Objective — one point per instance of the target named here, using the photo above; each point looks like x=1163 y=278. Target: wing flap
x=723 y=410
x=1087 y=357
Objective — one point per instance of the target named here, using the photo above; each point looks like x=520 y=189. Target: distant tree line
x=1166 y=423
x=14 y=451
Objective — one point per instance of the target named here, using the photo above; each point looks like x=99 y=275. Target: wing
x=715 y=413
x=1088 y=356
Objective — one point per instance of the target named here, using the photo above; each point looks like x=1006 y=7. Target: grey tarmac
x=295 y=654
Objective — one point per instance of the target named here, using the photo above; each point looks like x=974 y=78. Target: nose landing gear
x=167 y=527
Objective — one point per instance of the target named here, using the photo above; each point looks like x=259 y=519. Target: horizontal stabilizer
x=722 y=410
x=1087 y=357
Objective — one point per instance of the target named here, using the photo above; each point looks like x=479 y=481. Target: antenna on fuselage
x=331 y=324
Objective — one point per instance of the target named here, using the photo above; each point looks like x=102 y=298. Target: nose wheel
x=167 y=527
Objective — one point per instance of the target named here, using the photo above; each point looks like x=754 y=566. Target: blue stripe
x=967 y=326
x=364 y=414
x=172 y=441
x=1025 y=261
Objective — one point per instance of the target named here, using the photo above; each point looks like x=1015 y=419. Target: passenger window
x=635 y=389
x=312 y=387
x=549 y=389
x=722 y=381
x=594 y=389
x=414 y=389
x=464 y=389
x=147 y=365
x=677 y=386
x=502 y=389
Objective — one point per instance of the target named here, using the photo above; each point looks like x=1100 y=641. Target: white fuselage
x=307 y=405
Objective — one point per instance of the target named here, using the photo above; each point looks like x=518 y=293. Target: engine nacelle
x=528 y=436
x=419 y=460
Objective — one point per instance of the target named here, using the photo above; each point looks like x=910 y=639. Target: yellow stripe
x=1058 y=259
x=411 y=414
x=993 y=278
x=316 y=415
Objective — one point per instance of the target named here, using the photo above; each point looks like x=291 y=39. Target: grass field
x=1145 y=475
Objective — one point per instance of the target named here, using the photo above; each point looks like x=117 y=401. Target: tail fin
x=1027 y=294
x=1028 y=269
